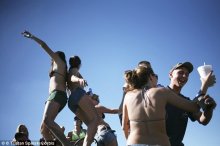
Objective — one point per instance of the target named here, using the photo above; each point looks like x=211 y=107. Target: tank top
x=80 y=136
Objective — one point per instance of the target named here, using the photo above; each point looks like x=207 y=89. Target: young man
x=176 y=119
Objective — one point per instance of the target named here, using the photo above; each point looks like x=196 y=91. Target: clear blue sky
x=110 y=36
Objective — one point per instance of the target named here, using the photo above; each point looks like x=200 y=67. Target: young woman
x=144 y=109
x=79 y=102
x=57 y=92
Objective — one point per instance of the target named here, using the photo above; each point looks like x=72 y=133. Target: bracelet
x=199 y=94
x=200 y=101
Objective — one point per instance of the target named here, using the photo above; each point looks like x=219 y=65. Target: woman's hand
x=27 y=34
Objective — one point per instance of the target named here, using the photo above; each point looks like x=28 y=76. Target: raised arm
x=207 y=82
x=41 y=43
x=176 y=100
x=205 y=116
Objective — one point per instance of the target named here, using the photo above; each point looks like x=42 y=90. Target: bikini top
x=146 y=103
x=75 y=136
x=52 y=73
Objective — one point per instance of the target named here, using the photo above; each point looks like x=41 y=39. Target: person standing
x=57 y=92
x=144 y=108
x=177 y=119
x=79 y=102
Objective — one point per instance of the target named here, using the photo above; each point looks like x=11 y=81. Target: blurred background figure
x=78 y=134
x=21 y=136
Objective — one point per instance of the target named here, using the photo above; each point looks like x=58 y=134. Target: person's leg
x=51 y=111
x=88 y=113
x=45 y=132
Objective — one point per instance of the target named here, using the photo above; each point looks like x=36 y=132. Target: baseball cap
x=187 y=65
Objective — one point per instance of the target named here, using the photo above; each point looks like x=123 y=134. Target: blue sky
x=110 y=36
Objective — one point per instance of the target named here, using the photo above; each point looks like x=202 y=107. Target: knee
x=43 y=129
x=47 y=122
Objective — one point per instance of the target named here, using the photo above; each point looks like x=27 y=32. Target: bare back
x=146 y=118
x=146 y=113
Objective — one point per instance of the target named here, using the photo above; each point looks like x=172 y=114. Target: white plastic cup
x=204 y=70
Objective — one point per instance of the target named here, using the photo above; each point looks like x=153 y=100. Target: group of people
x=155 y=115
x=84 y=105
x=150 y=114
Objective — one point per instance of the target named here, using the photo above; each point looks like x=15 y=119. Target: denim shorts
x=74 y=99
x=105 y=137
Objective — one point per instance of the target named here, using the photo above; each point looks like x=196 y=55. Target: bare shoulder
x=58 y=60
x=157 y=93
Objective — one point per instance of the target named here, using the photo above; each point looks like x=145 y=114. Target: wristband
x=200 y=101
x=200 y=93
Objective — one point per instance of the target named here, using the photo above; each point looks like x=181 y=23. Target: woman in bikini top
x=57 y=92
x=144 y=110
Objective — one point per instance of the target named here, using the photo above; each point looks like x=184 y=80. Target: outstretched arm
x=41 y=43
x=103 y=109
x=175 y=99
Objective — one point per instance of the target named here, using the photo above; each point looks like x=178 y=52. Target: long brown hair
x=138 y=78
